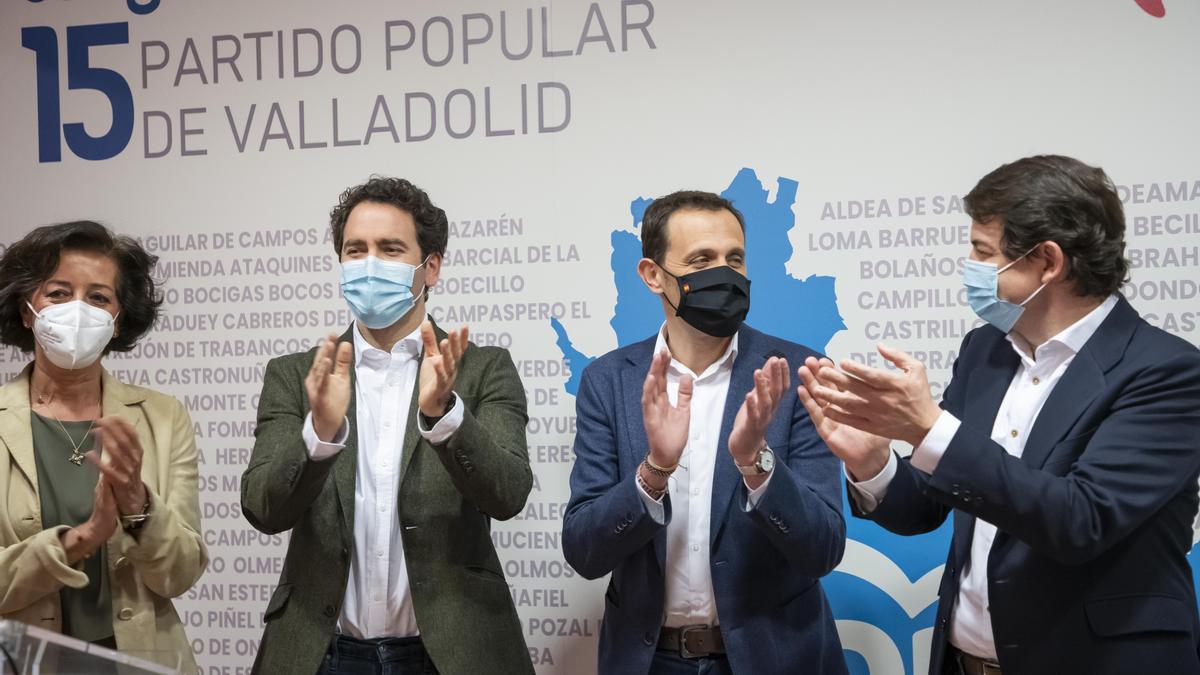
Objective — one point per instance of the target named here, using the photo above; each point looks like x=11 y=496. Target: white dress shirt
x=689 y=589
x=1036 y=377
x=377 y=601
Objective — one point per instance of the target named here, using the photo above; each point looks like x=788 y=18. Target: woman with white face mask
x=99 y=516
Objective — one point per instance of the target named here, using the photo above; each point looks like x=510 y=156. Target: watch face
x=766 y=460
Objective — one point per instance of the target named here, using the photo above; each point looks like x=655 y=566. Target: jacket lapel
x=411 y=432
x=633 y=376
x=345 y=468
x=985 y=392
x=15 y=429
x=725 y=474
x=1080 y=384
x=121 y=400
x=987 y=385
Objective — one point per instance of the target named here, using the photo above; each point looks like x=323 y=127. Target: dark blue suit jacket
x=1087 y=573
x=765 y=562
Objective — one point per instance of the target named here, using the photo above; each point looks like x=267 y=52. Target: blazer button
x=942 y=622
x=121 y=563
x=125 y=614
x=330 y=610
x=648 y=638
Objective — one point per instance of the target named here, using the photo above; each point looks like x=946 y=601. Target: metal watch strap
x=135 y=522
x=651 y=492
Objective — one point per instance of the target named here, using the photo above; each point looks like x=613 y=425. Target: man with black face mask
x=714 y=503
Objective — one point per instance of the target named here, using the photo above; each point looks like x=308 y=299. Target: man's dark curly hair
x=1059 y=199
x=432 y=228
x=31 y=261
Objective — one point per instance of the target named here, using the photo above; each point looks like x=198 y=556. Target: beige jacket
x=165 y=560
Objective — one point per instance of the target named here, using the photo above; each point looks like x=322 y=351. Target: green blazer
x=448 y=495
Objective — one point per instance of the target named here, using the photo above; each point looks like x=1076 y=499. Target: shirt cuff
x=868 y=493
x=445 y=427
x=318 y=449
x=930 y=451
x=655 y=506
x=753 y=496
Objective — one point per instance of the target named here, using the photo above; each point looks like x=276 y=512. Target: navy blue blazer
x=765 y=562
x=1087 y=573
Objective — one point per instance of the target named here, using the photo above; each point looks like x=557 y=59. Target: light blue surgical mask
x=983 y=294
x=381 y=292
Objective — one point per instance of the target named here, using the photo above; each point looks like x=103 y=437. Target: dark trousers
x=671 y=663
x=380 y=656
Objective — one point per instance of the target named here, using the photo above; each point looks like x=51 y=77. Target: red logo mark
x=1153 y=7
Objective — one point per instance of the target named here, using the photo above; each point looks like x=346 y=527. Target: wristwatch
x=429 y=422
x=133 y=523
x=763 y=464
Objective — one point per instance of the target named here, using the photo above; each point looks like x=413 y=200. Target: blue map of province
x=803 y=311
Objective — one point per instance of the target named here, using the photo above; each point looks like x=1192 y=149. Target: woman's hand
x=121 y=463
x=86 y=538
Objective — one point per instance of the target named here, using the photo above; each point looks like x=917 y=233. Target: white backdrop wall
x=221 y=133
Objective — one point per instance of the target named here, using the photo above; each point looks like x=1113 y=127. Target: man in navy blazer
x=1066 y=446
x=699 y=480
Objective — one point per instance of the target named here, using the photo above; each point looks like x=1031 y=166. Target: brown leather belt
x=973 y=665
x=692 y=642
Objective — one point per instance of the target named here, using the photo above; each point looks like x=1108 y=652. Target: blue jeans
x=671 y=663
x=380 y=656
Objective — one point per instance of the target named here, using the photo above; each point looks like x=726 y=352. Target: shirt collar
x=1073 y=337
x=725 y=361
x=408 y=347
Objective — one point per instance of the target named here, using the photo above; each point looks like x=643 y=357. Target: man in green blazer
x=387 y=451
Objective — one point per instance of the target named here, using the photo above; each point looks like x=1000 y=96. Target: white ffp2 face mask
x=72 y=334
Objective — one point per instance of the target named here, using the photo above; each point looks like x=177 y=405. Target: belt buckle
x=684 y=631
x=978 y=666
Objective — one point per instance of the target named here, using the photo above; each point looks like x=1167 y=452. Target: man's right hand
x=865 y=454
x=328 y=387
x=666 y=424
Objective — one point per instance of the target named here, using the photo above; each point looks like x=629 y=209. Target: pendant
x=76 y=458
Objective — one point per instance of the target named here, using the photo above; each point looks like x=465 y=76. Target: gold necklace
x=76 y=457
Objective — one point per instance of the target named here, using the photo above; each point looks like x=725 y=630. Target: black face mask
x=714 y=301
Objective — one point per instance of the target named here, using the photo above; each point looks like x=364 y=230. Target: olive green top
x=67 y=492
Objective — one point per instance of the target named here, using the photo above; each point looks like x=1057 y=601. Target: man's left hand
x=889 y=404
x=750 y=425
x=439 y=368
